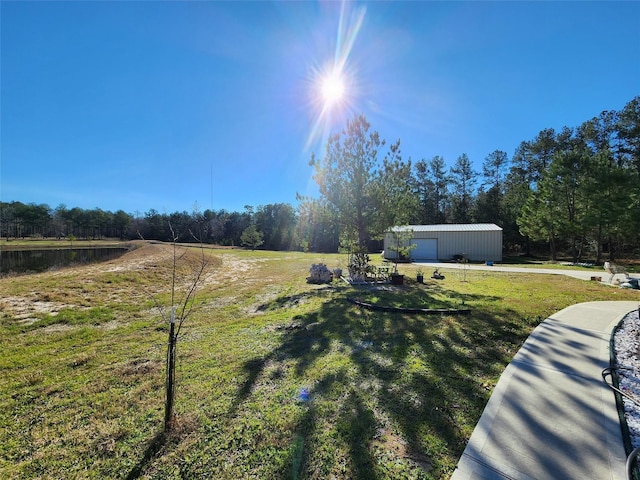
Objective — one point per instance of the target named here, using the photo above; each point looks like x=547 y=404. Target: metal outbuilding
x=480 y=242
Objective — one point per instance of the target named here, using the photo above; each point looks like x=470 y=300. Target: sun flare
x=333 y=89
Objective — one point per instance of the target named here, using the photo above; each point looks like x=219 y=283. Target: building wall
x=475 y=245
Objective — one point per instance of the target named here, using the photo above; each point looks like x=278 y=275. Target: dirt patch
x=232 y=269
x=141 y=366
x=29 y=310
x=58 y=327
x=112 y=325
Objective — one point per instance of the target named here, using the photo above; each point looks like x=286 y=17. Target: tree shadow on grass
x=154 y=447
x=419 y=379
x=162 y=440
x=355 y=427
x=290 y=301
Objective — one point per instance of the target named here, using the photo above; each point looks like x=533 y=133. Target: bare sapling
x=183 y=301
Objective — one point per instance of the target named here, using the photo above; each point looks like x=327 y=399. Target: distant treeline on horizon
x=576 y=192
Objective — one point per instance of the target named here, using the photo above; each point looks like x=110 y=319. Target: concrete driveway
x=575 y=273
x=551 y=416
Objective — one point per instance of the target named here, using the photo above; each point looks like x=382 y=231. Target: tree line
x=575 y=191
x=276 y=224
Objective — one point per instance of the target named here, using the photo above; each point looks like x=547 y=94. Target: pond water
x=28 y=261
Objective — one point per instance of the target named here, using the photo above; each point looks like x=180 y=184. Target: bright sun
x=334 y=86
x=333 y=89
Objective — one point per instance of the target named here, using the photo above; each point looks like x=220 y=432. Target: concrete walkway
x=551 y=416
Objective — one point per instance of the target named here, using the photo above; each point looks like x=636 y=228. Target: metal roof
x=451 y=227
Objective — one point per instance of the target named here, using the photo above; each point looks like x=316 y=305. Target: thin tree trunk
x=171 y=374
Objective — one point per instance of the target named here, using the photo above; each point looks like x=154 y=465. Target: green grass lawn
x=277 y=378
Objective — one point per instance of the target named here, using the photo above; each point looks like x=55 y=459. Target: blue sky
x=171 y=105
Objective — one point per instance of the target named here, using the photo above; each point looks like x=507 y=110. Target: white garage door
x=426 y=249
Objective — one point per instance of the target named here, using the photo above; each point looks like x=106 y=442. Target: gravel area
x=627 y=353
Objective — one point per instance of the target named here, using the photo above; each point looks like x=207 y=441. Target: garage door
x=426 y=249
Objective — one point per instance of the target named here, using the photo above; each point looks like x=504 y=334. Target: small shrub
x=359 y=266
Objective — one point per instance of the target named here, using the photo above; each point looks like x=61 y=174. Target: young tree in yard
x=251 y=238
x=346 y=177
x=183 y=299
x=400 y=244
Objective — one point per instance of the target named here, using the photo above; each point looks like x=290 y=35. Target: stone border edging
x=624 y=426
